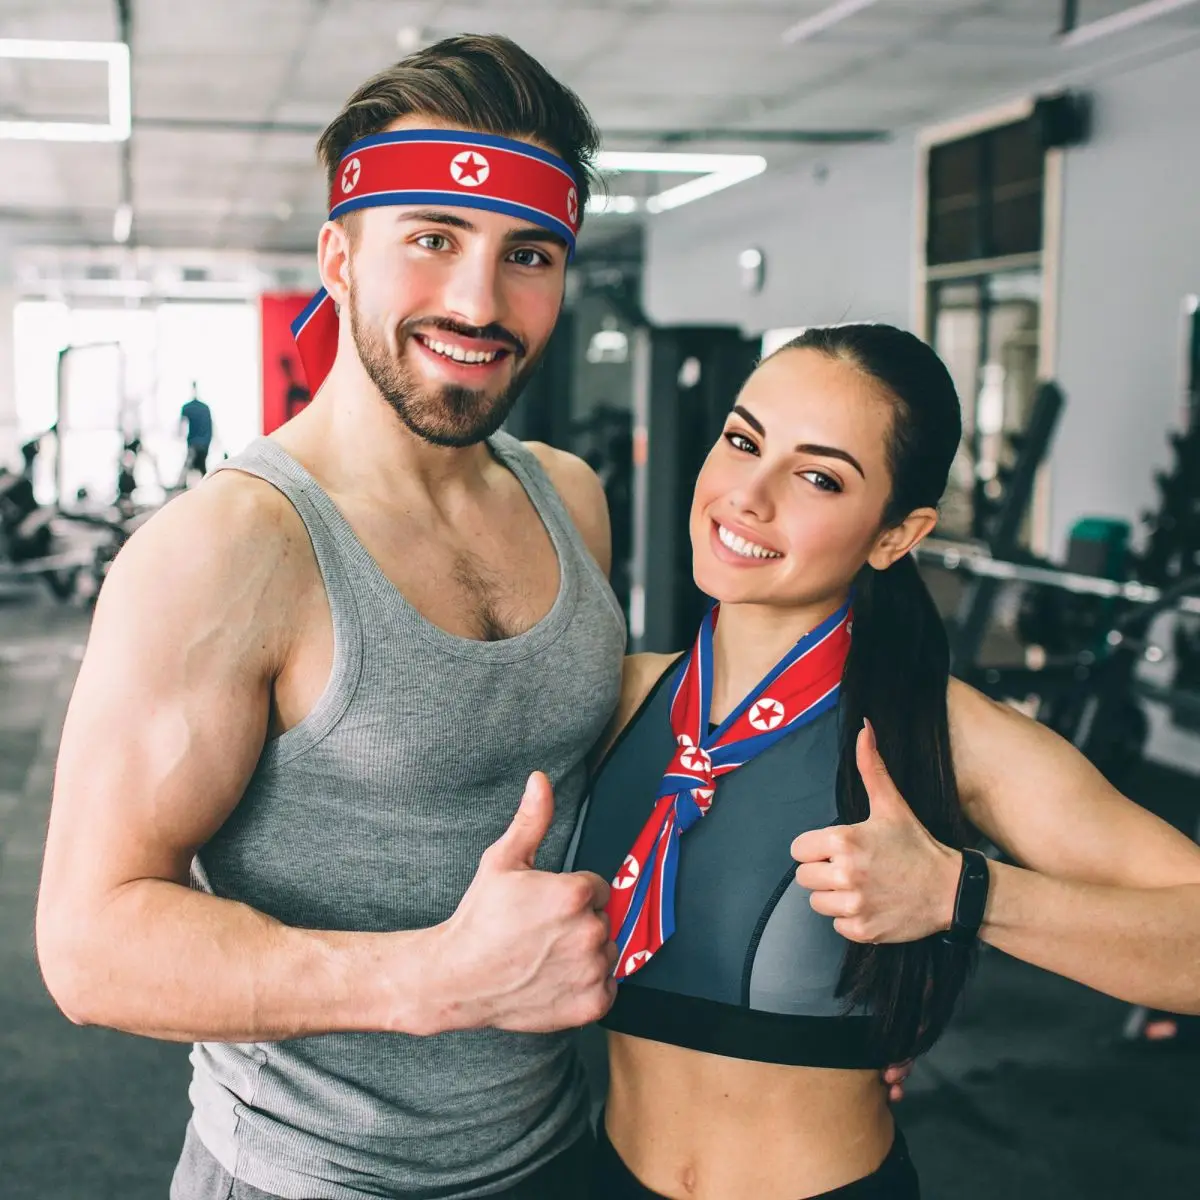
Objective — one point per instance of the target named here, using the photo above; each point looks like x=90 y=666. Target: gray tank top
x=372 y=815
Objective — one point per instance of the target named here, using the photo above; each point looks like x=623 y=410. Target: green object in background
x=1099 y=546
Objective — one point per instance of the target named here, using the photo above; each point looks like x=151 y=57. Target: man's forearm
x=1138 y=944
x=163 y=961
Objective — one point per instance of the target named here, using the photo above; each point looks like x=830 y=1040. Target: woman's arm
x=1106 y=894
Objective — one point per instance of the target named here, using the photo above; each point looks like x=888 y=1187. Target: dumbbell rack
x=1088 y=697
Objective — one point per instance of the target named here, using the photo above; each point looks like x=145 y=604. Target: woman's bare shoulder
x=639 y=674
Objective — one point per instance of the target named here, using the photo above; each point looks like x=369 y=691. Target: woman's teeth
x=458 y=353
x=746 y=549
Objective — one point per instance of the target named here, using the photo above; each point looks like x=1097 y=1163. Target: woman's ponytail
x=897 y=674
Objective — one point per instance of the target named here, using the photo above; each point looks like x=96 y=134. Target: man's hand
x=527 y=950
x=886 y=879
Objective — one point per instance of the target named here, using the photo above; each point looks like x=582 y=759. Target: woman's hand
x=886 y=879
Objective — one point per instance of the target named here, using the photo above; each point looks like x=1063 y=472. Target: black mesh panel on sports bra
x=751 y=970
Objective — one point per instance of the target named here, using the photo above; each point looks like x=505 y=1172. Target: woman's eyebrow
x=804 y=447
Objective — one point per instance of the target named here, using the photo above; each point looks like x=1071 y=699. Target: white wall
x=843 y=249
x=8 y=372
x=1131 y=252
x=838 y=245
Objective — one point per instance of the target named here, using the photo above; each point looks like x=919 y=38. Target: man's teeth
x=458 y=353
x=746 y=549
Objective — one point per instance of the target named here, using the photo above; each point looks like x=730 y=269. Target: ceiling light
x=122 y=223
x=120 y=106
x=1118 y=22
x=819 y=22
x=608 y=346
x=611 y=204
x=716 y=172
x=706 y=185
x=409 y=38
x=655 y=160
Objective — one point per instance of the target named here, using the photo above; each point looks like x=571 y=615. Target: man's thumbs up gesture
x=526 y=950
x=886 y=879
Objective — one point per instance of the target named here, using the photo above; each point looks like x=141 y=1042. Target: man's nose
x=473 y=294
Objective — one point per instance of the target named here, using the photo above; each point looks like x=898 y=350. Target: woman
x=752 y=1014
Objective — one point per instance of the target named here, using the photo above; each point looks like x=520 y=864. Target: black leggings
x=896 y=1178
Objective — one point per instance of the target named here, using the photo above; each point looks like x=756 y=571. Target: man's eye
x=739 y=441
x=528 y=257
x=433 y=241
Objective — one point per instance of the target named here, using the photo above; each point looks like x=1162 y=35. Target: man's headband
x=438 y=167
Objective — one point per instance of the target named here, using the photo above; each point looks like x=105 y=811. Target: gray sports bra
x=751 y=971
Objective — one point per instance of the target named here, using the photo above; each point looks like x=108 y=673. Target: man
x=319 y=684
x=197 y=416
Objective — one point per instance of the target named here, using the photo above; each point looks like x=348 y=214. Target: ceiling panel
x=49 y=175
x=229 y=95
x=81 y=20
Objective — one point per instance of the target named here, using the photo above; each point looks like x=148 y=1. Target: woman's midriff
x=696 y=1126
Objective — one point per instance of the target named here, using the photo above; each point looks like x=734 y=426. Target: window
x=985 y=195
x=983 y=296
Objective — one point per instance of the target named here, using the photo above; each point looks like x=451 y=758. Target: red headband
x=438 y=167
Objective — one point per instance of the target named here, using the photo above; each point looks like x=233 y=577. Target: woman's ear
x=893 y=544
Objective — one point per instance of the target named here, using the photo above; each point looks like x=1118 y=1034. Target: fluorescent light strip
x=666 y=162
x=818 y=23
x=120 y=103
x=598 y=205
x=694 y=189
x=1120 y=21
x=716 y=172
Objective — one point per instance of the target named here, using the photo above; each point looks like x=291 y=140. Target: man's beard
x=446 y=416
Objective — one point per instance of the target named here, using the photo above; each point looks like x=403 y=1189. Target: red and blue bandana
x=442 y=167
x=802 y=686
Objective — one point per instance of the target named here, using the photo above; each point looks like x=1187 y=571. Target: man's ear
x=333 y=261
x=893 y=544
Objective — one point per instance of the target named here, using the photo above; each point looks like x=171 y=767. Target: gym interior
x=1016 y=181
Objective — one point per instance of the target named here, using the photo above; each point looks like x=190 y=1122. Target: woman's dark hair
x=896 y=675
x=484 y=83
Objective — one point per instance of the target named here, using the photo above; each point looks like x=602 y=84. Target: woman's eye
x=819 y=479
x=739 y=441
x=433 y=241
x=527 y=257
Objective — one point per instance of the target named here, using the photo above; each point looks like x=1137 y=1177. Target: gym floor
x=1031 y=1094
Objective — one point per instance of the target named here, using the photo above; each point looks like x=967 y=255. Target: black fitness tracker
x=971 y=900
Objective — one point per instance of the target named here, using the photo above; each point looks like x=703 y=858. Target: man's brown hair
x=485 y=83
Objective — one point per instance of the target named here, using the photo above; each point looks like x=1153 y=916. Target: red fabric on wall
x=284 y=392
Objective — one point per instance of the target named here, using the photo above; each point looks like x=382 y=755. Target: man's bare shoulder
x=582 y=493
x=235 y=543
x=231 y=513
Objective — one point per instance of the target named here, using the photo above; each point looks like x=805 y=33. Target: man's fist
x=527 y=950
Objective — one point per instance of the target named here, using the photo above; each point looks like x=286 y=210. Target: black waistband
x=737 y=1032
x=895 y=1179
